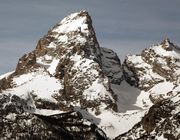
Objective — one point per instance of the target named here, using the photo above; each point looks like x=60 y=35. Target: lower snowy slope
x=36 y=88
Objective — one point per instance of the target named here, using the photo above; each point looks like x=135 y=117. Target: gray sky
x=126 y=26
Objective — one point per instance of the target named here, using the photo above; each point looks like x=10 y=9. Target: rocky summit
x=69 y=87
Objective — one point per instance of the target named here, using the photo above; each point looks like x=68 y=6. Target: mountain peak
x=167 y=44
x=70 y=53
x=74 y=29
x=76 y=22
x=72 y=35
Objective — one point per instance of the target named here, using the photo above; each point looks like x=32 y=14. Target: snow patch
x=47 y=112
x=162 y=52
x=63 y=38
x=22 y=79
x=70 y=24
x=52 y=45
x=162 y=88
x=96 y=91
x=49 y=63
x=11 y=116
x=114 y=124
x=53 y=65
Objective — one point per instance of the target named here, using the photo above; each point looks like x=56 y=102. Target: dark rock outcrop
x=111 y=66
x=17 y=122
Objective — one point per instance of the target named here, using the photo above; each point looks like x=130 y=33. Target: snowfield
x=38 y=83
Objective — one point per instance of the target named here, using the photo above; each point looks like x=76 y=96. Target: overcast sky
x=126 y=26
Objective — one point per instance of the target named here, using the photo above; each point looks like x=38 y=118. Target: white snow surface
x=132 y=105
x=162 y=90
x=73 y=22
x=96 y=91
x=63 y=38
x=162 y=52
x=114 y=124
x=76 y=57
x=85 y=65
x=11 y=116
x=130 y=98
x=163 y=63
x=126 y=99
x=80 y=39
x=49 y=63
x=47 y=112
x=39 y=83
x=52 y=45
x=137 y=60
x=139 y=63
x=53 y=65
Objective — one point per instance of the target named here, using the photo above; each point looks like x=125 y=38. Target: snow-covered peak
x=157 y=65
x=166 y=44
x=166 y=48
x=68 y=72
x=74 y=35
x=74 y=22
x=76 y=27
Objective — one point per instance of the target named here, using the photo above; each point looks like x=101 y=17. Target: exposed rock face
x=111 y=66
x=26 y=64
